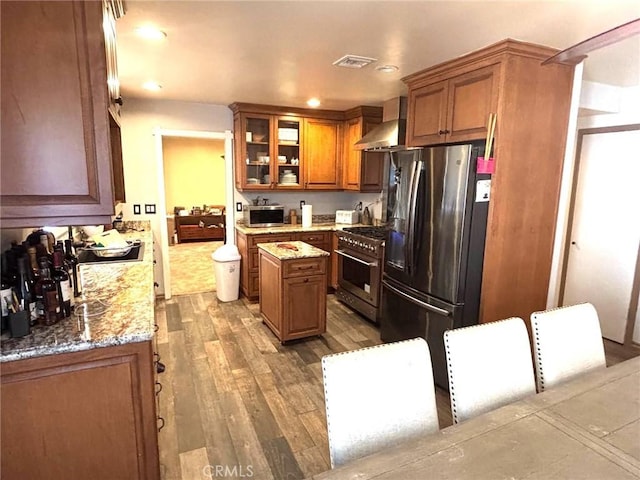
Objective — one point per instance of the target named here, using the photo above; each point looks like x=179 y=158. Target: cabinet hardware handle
x=160 y=368
x=156 y=284
x=306 y=280
x=162 y=424
x=156 y=355
x=158 y=390
x=118 y=101
x=156 y=327
x=440 y=132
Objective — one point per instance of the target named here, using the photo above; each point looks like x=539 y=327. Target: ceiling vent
x=354 y=61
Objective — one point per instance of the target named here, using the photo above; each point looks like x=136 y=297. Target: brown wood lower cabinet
x=88 y=414
x=248 y=248
x=293 y=299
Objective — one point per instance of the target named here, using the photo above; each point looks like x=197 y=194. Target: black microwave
x=263 y=216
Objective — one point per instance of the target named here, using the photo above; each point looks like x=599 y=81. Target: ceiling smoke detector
x=354 y=61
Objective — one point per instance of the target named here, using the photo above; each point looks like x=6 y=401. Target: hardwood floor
x=238 y=404
x=235 y=400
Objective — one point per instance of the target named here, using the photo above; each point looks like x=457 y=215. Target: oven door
x=359 y=274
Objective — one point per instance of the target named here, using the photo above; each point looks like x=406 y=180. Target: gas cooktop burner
x=379 y=233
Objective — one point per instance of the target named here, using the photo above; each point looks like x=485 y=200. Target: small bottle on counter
x=293 y=216
x=47 y=301
x=61 y=277
x=72 y=265
x=26 y=290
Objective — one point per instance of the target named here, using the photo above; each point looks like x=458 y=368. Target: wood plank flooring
x=235 y=401
x=237 y=404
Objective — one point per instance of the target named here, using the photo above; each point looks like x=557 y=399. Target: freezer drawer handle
x=424 y=305
x=368 y=264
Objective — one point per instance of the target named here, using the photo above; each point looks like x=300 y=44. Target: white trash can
x=226 y=263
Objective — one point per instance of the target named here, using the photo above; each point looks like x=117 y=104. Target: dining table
x=587 y=428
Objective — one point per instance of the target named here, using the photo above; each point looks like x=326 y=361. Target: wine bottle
x=5 y=295
x=47 y=295
x=72 y=262
x=26 y=291
x=61 y=278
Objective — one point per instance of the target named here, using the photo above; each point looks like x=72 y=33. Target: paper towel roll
x=306 y=216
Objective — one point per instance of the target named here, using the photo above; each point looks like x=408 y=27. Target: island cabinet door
x=84 y=415
x=305 y=306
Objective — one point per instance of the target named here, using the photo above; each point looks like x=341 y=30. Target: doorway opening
x=602 y=253
x=194 y=201
x=195 y=188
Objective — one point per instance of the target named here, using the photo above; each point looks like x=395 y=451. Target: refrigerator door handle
x=413 y=195
x=356 y=259
x=420 y=303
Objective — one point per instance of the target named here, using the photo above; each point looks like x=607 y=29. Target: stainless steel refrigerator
x=437 y=214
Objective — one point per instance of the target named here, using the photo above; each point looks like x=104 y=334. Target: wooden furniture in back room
x=293 y=289
x=451 y=102
x=200 y=227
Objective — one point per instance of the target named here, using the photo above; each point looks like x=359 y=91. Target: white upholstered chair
x=567 y=342
x=378 y=396
x=489 y=365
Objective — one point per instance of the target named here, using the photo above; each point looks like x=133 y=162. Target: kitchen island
x=78 y=397
x=320 y=235
x=293 y=284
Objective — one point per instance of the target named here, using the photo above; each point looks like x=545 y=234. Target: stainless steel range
x=360 y=259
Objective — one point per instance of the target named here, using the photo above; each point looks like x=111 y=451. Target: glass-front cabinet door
x=257 y=152
x=271 y=153
x=287 y=140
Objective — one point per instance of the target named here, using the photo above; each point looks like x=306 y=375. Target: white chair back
x=378 y=396
x=489 y=365
x=567 y=343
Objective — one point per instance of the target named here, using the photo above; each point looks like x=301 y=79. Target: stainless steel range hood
x=390 y=134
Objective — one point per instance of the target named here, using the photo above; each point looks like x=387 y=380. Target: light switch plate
x=136 y=209
x=150 y=208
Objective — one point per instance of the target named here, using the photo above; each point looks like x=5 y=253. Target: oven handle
x=344 y=254
x=420 y=303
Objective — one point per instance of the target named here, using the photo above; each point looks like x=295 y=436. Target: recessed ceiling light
x=313 y=102
x=150 y=33
x=387 y=68
x=152 y=86
x=354 y=61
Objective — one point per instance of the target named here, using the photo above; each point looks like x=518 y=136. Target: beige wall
x=193 y=172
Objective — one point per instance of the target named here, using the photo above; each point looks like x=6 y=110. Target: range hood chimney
x=390 y=134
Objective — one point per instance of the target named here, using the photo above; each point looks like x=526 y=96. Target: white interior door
x=606 y=228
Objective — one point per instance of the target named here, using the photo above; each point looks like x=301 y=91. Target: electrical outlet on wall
x=150 y=208
x=238 y=206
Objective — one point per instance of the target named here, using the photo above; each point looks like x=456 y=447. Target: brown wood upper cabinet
x=453 y=110
x=532 y=103
x=362 y=171
x=268 y=148
x=56 y=135
x=274 y=143
x=322 y=154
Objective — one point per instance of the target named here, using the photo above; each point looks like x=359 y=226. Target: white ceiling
x=281 y=53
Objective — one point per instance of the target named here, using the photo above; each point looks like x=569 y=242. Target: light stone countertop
x=116 y=307
x=302 y=250
x=288 y=228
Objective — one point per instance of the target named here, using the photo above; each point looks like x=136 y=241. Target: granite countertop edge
x=122 y=297
x=287 y=228
x=303 y=250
